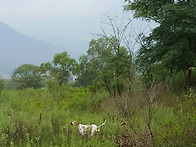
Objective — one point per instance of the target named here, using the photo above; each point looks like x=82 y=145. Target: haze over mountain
x=17 y=49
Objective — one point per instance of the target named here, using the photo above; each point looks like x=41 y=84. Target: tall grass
x=36 y=118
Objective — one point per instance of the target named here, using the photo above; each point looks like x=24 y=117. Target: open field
x=40 y=118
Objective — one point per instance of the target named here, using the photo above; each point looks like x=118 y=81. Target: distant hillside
x=17 y=49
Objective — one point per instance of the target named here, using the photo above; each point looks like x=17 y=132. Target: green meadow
x=140 y=78
x=40 y=117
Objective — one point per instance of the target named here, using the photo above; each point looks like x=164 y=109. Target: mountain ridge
x=17 y=49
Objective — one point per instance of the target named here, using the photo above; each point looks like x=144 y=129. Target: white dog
x=84 y=129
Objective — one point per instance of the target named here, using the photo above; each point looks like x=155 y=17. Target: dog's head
x=75 y=122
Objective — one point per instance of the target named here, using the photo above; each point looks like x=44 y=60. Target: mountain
x=17 y=49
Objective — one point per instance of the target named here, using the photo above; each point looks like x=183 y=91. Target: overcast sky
x=52 y=20
x=66 y=23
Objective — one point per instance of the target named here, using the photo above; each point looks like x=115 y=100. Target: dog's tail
x=102 y=124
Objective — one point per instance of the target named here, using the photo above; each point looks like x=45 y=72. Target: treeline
x=167 y=54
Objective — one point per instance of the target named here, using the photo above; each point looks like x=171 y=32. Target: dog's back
x=88 y=129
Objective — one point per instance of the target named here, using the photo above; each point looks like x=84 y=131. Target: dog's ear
x=77 y=122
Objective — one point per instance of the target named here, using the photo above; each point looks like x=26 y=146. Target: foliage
x=86 y=73
x=60 y=69
x=172 y=43
x=27 y=76
x=104 y=66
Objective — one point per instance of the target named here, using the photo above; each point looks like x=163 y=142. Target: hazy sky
x=66 y=23
x=55 y=20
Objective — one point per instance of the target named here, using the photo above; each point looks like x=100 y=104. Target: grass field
x=42 y=118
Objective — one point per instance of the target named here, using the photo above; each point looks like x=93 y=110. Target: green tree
x=27 y=76
x=86 y=72
x=108 y=59
x=173 y=42
x=104 y=67
x=60 y=69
